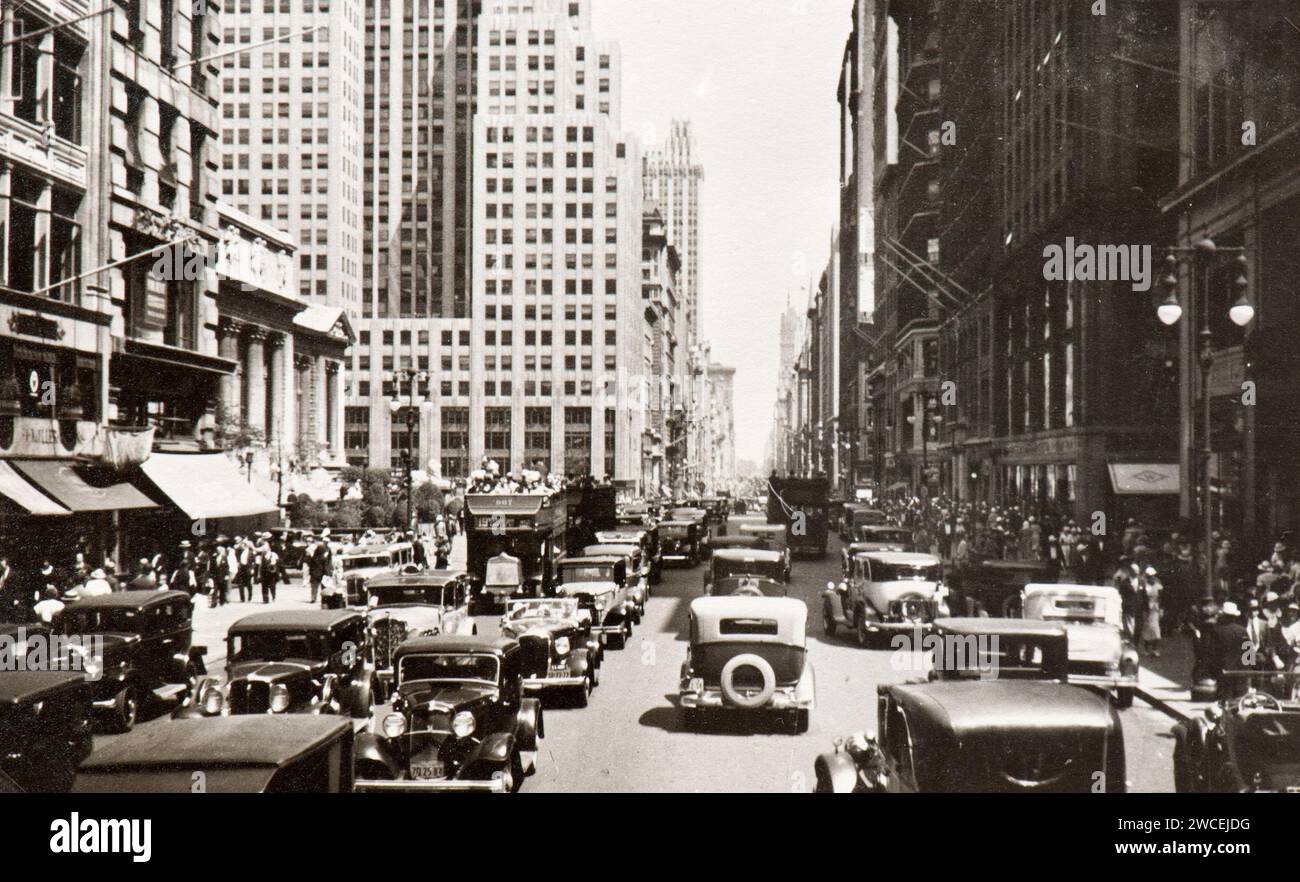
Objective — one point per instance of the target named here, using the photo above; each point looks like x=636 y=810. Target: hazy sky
x=757 y=79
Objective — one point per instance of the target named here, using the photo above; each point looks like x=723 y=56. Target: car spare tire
x=746 y=693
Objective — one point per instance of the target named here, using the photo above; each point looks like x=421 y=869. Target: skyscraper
x=291 y=122
x=556 y=378
x=671 y=177
x=419 y=67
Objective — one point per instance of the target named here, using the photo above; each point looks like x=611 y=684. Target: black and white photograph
x=681 y=397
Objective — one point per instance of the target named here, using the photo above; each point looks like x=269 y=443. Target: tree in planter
x=427 y=502
x=376 y=502
x=348 y=513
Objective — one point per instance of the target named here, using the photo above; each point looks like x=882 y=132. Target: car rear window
x=747 y=626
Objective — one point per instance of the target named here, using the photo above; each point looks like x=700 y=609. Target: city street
x=631 y=737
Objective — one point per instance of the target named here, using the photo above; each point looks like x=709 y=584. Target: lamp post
x=412 y=415
x=1170 y=311
x=930 y=417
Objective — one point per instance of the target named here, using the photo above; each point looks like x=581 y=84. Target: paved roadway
x=631 y=736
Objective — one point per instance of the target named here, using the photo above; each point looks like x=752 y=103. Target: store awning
x=1144 y=479
x=16 y=489
x=205 y=485
x=81 y=488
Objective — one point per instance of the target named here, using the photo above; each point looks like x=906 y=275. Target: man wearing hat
x=96 y=584
x=145 y=579
x=268 y=568
x=1230 y=644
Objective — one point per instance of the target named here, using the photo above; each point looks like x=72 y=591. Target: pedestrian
x=145 y=578
x=96 y=584
x=183 y=579
x=1150 y=636
x=1126 y=583
x=270 y=572
x=1229 y=642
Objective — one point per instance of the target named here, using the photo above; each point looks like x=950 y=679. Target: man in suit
x=1231 y=643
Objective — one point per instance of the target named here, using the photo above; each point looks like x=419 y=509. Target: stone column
x=255 y=367
x=319 y=396
x=333 y=395
x=228 y=392
x=306 y=429
x=276 y=430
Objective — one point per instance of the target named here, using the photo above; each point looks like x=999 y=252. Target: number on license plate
x=427 y=771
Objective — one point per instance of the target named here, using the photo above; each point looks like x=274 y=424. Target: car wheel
x=595 y=676
x=828 y=620
x=860 y=628
x=583 y=693
x=512 y=774
x=1124 y=698
x=126 y=709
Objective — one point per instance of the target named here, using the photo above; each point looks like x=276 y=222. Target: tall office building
x=419 y=70
x=291 y=133
x=671 y=177
x=556 y=375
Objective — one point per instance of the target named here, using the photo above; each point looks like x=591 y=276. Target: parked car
x=559 y=650
x=886 y=591
x=857 y=514
x=1004 y=649
x=457 y=719
x=748 y=654
x=638 y=572
x=1100 y=654
x=354 y=565
x=745 y=571
x=681 y=540
x=147 y=651
x=306 y=661
x=1249 y=744
x=600 y=586
x=45 y=728
x=243 y=754
x=414 y=605
x=995 y=736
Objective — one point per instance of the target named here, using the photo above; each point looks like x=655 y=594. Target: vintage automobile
x=1248 y=744
x=857 y=514
x=875 y=538
x=773 y=534
x=717 y=509
x=746 y=572
x=647 y=538
x=311 y=661
x=886 y=591
x=457 y=719
x=414 y=605
x=600 y=585
x=682 y=540
x=748 y=654
x=638 y=572
x=45 y=728
x=357 y=564
x=1005 y=649
x=243 y=754
x=700 y=517
x=737 y=540
x=559 y=650
x=1100 y=654
x=147 y=651
x=993 y=585
x=994 y=736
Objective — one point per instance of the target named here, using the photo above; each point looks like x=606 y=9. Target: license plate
x=428 y=771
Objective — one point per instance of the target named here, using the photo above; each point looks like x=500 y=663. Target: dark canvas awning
x=205 y=485
x=80 y=488
x=15 y=488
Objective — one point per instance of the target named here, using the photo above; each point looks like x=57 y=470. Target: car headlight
x=213 y=701
x=1128 y=666
x=462 y=725
x=562 y=646
x=279 y=698
x=394 y=725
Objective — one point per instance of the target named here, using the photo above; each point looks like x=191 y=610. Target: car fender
x=806 y=688
x=580 y=662
x=496 y=748
x=356 y=698
x=369 y=747
x=529 y=726
x=835 y=772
